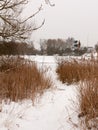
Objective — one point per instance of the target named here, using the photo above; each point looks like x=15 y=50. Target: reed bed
x=88 y=103
x=84 y=73
x=21 y=79
x=76 y=70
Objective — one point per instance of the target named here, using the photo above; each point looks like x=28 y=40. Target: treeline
x=16 y=48
x=69 y=46
x=61 y=47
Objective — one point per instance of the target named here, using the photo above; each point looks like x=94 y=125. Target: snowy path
x=51 y=112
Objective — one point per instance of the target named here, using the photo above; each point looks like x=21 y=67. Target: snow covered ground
x=55 y=110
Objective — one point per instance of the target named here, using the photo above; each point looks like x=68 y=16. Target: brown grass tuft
x=88 y=100
x=86 y=73
x=20 y=79
x=76 y=70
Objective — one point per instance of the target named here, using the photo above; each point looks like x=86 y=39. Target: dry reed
x=76 y=70
x=86 y=73
x=88 y=103
x=20 y=79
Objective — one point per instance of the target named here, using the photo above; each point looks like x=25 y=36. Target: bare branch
x=40 y=8
x=40 y=25
x=48 y=2
x=11 y=23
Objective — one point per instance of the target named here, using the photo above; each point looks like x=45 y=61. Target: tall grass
x=88 y=102
x=20 y=79
x=76 y=70
x=84 y=72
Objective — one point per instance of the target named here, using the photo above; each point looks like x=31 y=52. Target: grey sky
x=69 y=18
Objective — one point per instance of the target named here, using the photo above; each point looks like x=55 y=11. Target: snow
x=55 y=110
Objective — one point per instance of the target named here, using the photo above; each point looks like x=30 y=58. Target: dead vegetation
x=88 y=103
x=76 y=70
x=85 y=73
x=21 y=79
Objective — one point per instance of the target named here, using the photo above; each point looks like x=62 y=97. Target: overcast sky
x=69 y=18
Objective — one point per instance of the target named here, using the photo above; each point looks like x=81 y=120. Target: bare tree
x=11 y=24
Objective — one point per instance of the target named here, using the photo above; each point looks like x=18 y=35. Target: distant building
x=90 y=49
x=76 y=45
